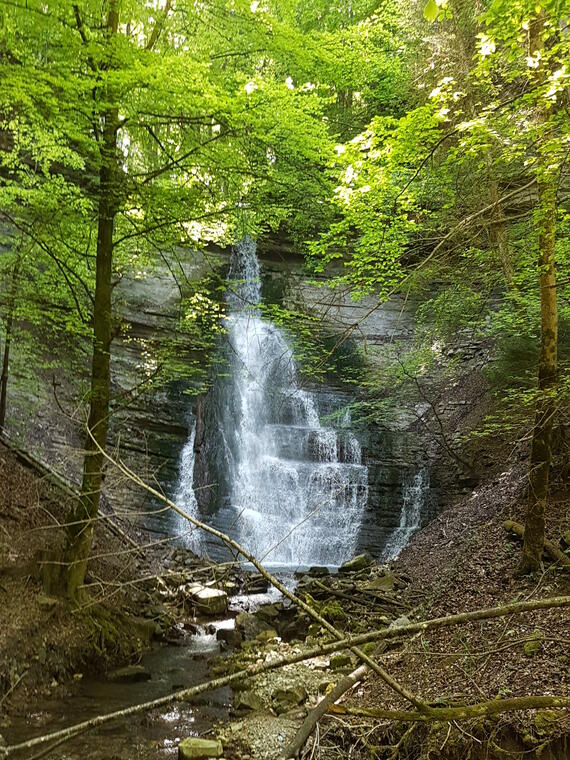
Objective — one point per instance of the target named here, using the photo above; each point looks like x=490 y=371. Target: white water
x=297 y=489
x=415 y=490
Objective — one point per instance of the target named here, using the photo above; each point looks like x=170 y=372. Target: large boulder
x=270 y=612
x=208 y=600
x=250 y=626
x=231 y=636
x=196 y=748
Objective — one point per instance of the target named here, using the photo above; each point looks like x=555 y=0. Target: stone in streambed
x=354 y=565
x=209 y=601
x=232 y=637
x=318 y=571
x=270 y=612
x=129 y=674
x=250 y=625
x=196 y=748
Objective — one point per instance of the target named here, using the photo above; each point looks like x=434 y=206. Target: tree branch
x=463 y=712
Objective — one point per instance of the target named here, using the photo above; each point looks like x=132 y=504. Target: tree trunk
x=8 y=343
x=81 y=519
x=499 y=234
x=541 y=446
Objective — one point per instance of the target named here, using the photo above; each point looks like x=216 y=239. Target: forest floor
x=464 y=560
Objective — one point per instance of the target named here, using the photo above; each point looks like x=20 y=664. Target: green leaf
x=431 y=11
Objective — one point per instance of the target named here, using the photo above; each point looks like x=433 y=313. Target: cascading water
x=292 y=490
x=415 y=492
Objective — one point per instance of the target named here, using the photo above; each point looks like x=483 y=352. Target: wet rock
x=196 y=748
x=317 y=571
x=129 y=674
x=230 y=636
x=354 y=565
x=270 y=612
x=250 y=625
x=209 y=601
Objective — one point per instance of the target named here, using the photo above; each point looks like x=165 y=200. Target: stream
x=154 y=734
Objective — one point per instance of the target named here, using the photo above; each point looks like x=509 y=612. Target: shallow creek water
x=151 y=735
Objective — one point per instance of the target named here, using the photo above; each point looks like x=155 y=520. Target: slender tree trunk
x=8 y=343
x=498 y=233
x=541 y=446
x=81 y=519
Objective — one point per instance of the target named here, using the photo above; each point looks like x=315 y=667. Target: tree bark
x=80 y=532
x=8 y=342
x=308 y=726
x=549 y=547
x=499 y=234
x=541 y=446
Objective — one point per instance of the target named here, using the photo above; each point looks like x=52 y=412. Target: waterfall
x=289 y=488
x=415 y=491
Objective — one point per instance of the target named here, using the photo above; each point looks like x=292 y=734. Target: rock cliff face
x=151 y=426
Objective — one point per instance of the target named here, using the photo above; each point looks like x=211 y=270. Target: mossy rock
x=333 y=611
x=354 y=565
x=341 y=660
x=547 y=721
x=533 y=645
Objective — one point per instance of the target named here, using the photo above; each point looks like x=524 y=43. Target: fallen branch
x=551 y=549
x=317 y=712
x=319 y=650
x=463 y=712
